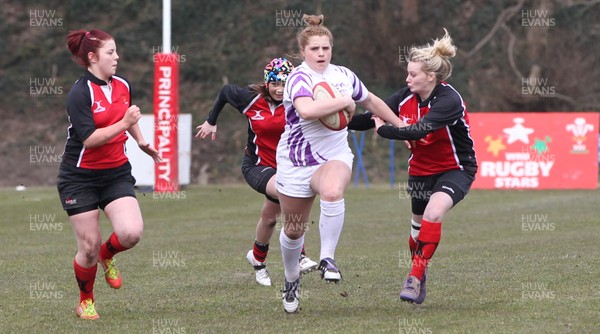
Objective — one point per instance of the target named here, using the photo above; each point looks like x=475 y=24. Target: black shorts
x=455 y=183
x=83 y=190
x=258 y=176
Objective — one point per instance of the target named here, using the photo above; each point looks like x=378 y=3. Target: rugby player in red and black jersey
x=261 y=105
x=442 y=165
x=95 y=172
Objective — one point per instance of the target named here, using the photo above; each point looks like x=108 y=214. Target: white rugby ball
x=338 y=120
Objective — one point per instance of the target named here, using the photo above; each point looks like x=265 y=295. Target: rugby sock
x=260 y=251
x=331 y=223
x=428 y=240
x=290 y=253
x=111 y=247
x=412 y=244
x=414 y=235
x=85 y=279
x=303 y=252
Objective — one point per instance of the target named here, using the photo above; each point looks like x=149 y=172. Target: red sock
x=85 y=279
x=111 y=247
x=302 y=252
x=427 y=242
x=412 y=245
x=260 y=251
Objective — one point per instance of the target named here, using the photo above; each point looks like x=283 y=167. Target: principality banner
x=548 y=150
x=166 y=112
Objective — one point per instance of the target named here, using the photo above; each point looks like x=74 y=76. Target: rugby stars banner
x=548 y=150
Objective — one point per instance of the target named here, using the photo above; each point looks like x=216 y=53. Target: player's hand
x=350 y=106
x=132 y=115
x=378 y=122
x=151 y=151
x=206 y=129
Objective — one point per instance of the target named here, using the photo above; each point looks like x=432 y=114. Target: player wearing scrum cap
x=261 y=105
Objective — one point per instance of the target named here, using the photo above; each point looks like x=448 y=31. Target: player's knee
x=332 y=194
x=433 y=217
x=269 y=220
x=294 y=228
x=294 y=231
x=90 y=248
x=130 y=237
x=434 y=213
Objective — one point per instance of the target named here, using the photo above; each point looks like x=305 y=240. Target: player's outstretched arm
x=376 y=105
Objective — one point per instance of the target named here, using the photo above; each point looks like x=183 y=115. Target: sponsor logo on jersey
x=97 y=107
x=258 y=116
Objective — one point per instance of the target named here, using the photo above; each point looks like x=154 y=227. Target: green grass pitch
x=508 y=262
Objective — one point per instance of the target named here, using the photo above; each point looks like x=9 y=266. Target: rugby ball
x=338 y=120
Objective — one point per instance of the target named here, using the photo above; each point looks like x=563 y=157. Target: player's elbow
x=306 y=113
x=91 y=143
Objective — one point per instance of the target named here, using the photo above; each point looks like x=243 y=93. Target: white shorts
x=294 y=181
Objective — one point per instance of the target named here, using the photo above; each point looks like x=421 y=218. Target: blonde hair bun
x=313 y=20
x=435 y=57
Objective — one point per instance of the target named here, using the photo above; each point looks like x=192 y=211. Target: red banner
x=536 y=150
x=166 y=111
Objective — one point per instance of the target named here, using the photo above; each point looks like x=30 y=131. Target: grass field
x=509 y=262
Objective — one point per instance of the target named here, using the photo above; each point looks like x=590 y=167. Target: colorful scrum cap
x=278 y=69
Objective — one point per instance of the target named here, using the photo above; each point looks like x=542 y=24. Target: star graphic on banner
x=494 y=146
x=518 y=132
x=541 y=146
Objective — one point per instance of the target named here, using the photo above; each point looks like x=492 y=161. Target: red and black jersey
x=265 y=121
x=93 y=104
x=440 y=128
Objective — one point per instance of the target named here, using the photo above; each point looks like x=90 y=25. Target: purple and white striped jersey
x=308 y=142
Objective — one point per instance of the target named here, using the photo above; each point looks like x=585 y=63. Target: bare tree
x=410 y=12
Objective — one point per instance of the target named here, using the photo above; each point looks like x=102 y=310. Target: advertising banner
x=166 y=110
x=548 y=150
